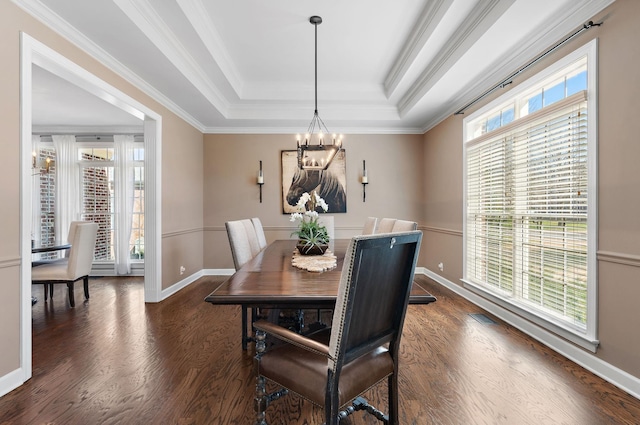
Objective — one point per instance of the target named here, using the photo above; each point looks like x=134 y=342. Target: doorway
x=34 y=52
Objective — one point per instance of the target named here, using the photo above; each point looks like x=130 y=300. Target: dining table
x=61 y=246
x=271 y=281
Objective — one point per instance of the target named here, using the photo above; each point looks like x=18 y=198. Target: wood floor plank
x=116 y=360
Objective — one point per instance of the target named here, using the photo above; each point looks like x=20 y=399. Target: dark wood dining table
x=269 y=280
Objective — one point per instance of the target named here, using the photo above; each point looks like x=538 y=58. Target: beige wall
x=182 y=183
x=618 y=193
x=394 y=168
x=181 y=175
x=411 y=176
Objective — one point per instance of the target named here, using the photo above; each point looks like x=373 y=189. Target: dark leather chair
x=332 y=367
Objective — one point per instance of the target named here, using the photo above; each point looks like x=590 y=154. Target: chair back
x=72 y=232
x=385 y=225
x=404 y=226
x=257 y=225
x=252 y=237
x=370 y=226
x=374 y=291
x=327 y=221
x=83 y=246
x=243 y=241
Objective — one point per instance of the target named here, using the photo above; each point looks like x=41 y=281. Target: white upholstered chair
x=370 y=226
x=257 y=225
x=245 y=245
x=385 y=225
x=327 y=221
x=76 y=266
x=239 y=241
x=404 y=226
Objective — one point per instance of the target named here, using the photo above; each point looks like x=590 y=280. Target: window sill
x=557 y=329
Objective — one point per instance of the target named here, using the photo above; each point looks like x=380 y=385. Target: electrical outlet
x=182 y=269
x=441 y=267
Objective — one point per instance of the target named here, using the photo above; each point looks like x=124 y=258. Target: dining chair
x=257 y=225
x=239 y=241
x=333 y=367
x=385 y=225
x=72 y=231
x=244 y=246
x=327 y=221
x=241 y=254
x=370 y=226
x=73 y=268
x=404 y=226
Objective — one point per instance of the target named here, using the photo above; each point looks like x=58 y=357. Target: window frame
x=110 y=163
x=587 y=338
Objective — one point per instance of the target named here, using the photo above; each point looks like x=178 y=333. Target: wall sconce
x=364 y=180
x=260 y=180
x=40 y=169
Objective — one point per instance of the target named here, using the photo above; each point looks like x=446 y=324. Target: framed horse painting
x=330 y=184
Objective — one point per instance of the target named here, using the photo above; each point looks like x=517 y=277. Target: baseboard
x=218 y=272
x=166 y=293
x=11 y=381
x=608 y=372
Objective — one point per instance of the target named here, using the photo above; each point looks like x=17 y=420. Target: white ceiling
x=248 y=66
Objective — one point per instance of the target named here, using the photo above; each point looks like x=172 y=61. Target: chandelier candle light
x=319 y=156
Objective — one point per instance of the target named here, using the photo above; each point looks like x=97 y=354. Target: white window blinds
x=526 y=212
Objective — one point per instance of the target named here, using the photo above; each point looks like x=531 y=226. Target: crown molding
x=75 y=37
x=86 y=130
x=417 y=39
x=574 y=17
x=482 y=17
x=144 y=16
x=197 y=14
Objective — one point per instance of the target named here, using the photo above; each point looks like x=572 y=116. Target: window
x=529 y=196
x=97 y=189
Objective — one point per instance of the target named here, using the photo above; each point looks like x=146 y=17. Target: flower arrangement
x=312 y=236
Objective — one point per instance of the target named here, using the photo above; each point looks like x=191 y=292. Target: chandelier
x=317 y=156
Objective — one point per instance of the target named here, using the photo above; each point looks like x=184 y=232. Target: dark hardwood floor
x=115 y=360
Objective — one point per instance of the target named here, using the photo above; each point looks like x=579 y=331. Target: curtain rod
x=509 y=79
x=93 y=136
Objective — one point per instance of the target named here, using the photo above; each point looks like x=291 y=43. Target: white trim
x=32 y=52
x=11 y=381
x=166 y=293
x=618 y=377
x=153 y=208
x=54 y=22
x=218 y=272
x=574 y=335
x=589 y=338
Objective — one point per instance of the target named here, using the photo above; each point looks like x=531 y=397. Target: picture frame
x=331 y=184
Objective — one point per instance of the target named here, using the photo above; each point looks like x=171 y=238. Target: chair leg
x=392 y=383
x=244 y=327
x=260 y=402
x=45 y=291
x=331 y=408
x=86 y=287
x=50 y=290
x=72 y=299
